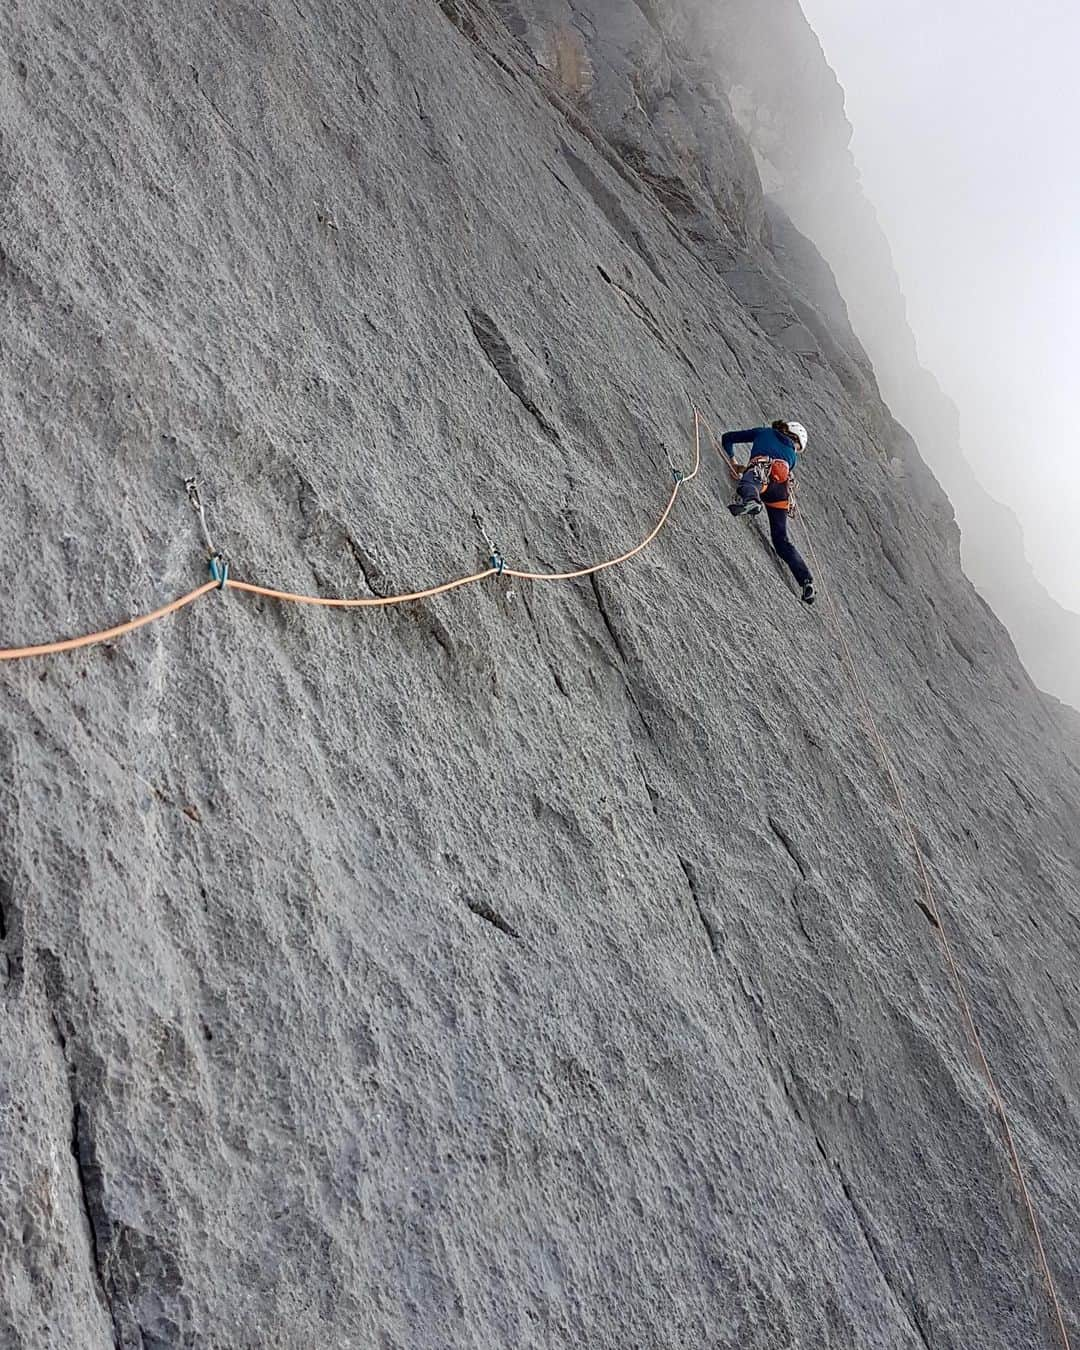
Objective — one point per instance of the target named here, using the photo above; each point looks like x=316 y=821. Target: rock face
x=543 y=964
x=800 y=137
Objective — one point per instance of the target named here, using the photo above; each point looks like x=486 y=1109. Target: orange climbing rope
x=364 y=602
x=375 y=602
x=953 y=965
x=680 y=482
x=736 y=475
x=92 y=639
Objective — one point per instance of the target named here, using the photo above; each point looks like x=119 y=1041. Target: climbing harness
x=759 y=467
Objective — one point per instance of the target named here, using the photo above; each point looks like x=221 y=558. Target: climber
x=766 y=478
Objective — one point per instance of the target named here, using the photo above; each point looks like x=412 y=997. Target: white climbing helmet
x=799 y=432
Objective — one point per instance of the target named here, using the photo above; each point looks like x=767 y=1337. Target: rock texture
x=800 y=137
x=542 y=965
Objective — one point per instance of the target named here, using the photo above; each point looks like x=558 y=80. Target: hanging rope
x=959 y=986
x=107 y=634
x=222 y=580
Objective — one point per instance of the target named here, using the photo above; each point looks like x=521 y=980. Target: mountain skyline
x=984 y=249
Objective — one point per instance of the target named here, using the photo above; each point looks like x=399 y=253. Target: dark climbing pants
x=778 y=520
x=754 y=478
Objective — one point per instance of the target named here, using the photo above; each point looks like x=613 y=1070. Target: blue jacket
x=762 y=441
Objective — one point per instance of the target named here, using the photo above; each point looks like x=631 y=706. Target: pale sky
x=967 y=135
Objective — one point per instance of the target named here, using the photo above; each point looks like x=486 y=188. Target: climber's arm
x=733 y=438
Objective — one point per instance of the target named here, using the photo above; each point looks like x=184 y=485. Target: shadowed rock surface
x=541 y=965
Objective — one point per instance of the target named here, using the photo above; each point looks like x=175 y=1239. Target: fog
x=966 y=134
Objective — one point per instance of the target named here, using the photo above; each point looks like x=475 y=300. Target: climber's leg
x=748 y=500
x=778 y=522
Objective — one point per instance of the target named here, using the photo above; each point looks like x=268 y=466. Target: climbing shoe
x=741 y=508
x=808 y=594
